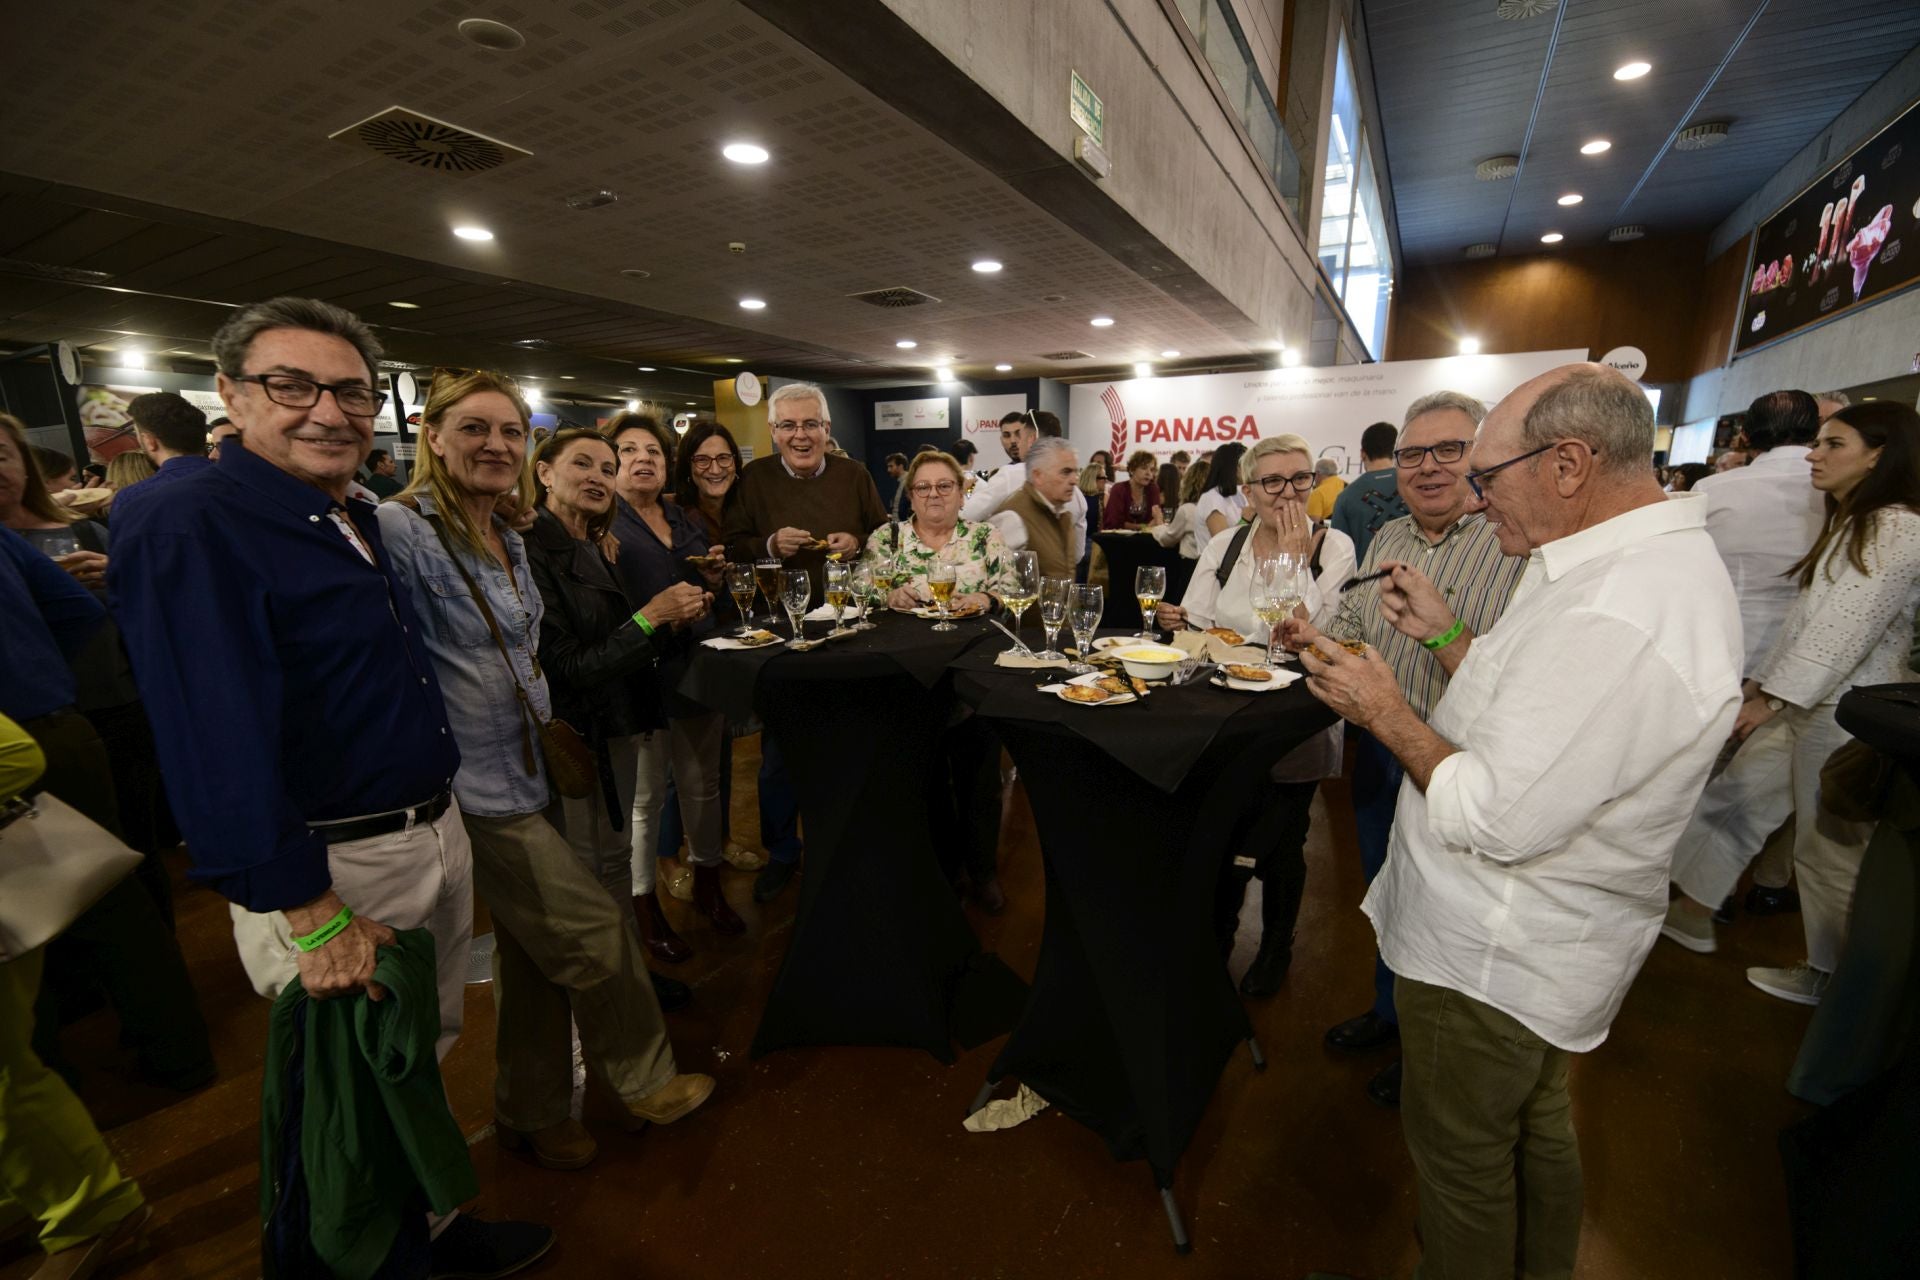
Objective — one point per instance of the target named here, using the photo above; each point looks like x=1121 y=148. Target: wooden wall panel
x=1721 y=288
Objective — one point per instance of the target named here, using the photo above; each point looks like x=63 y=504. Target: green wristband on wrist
x=1446 y=637
x=325 y=933
x=640 y=621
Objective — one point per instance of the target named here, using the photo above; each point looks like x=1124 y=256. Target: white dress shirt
x=996 y=489
x=1211 y=503
x=1849 y=628
x=1013 y=530
x=1185 y=531
x=1763 y=517
x=1531 y=874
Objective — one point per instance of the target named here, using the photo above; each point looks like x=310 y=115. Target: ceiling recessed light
x=1469 y=346
x=986 y=266
x=633 y=406
x=405 y=306
x=1552 y=237
x=532 y=394
x=744 y=153
x=635 y=273
x=488 y=34
x=1003 y=368
x=693 y=402
x=1141 y=369
x=906 y=344
x=1289 y=357
x=473 y=233
x=1570 y=199
x=1595 y=147
x=1169 y=354
x=733 y=360
x=1632 y=70
x=646 y=368
x=752 y=304
x=1101 y=322
x=132 y=358
x=943 y=374
x=567 y=377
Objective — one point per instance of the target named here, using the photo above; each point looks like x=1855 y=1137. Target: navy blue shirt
x=1364 y=507
x=131 y=503
x=45 y=619
x=284 y=674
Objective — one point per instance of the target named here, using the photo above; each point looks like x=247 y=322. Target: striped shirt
x=1465 y=564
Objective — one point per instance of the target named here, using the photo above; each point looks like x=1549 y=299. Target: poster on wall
x=910 y=415
x=1330 y=407
x=980 y=422
x=1841 y=243
x=108 y=428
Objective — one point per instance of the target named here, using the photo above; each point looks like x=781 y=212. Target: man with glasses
x=1457 y=551
x=1374 y=496
x=1527 y=874
x=306 y=747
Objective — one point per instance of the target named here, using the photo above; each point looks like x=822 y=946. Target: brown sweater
x=842 y=499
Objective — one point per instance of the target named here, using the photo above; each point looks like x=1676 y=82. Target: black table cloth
x=1132 y=1014
x=880 y=953
x=1126 y=552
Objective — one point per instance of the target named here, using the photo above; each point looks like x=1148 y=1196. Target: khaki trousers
x=418 y=878
x=1484 y=1107
x=604 y=850
x=563 y=955
x=692 y=746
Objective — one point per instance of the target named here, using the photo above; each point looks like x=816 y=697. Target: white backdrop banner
x=910 y=415
x=980 y=422
x=1330 y=407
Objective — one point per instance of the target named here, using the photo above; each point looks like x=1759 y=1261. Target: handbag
x=55 y=862
x=570 y=761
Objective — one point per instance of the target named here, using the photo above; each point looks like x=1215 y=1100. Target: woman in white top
x=1277 y=475
x=1186 y=530
x=1223 y=504
x=1852 y=624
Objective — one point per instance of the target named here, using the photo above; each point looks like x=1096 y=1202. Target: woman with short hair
x=1136 y=503
x=936 y=486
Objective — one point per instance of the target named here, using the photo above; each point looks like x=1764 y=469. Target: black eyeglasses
x=1475 y=477
x=304 y=393
x=1413 y=455
x=1299 y=483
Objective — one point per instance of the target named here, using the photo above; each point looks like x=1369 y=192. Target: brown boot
x=671 y=1101
x=710 y=902
x=660 y=939
x=558 y=1146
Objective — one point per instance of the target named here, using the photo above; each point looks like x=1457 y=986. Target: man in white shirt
x=1527 y=875
x=1016 y=437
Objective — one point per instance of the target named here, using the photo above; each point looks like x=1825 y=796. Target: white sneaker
x=1695 y=933
x=1802 y=984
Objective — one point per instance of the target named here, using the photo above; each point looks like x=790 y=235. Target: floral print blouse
x=981 y=560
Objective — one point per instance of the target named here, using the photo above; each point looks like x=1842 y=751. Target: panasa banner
x=1330 y=407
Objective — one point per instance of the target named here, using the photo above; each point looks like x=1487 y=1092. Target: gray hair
x=1436 y=400
x=1601 y=409
x=798 y=391
x=1042 y=451
x=1326 y=467
x=235 y=338
x=1840 y=398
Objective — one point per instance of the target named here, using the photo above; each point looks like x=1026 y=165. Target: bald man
x=1526 y=878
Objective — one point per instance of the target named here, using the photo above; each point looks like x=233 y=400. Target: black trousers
x=120 y=947
x=146 y=819
x=1273 y=833
x=963 y=802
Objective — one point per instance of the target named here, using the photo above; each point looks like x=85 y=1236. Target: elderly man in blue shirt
x=308 y=750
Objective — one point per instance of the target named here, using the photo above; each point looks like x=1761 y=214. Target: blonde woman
x=563 y=953
x=128 y=469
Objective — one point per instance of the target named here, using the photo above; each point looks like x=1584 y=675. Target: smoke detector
x=1481 y=250
x=1632 y=231
x=1520 y=10
x=426 y=143
x=1496 y=168
x=1698 y=137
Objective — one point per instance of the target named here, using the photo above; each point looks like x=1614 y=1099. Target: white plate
x=1281 y=679
x=1114 y=642
x=1117 y=700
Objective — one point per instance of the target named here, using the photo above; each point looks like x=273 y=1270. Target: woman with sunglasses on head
x=656 y=540
x=1277 y=475
x=563 y=954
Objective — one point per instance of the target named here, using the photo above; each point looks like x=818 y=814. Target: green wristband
x=640 y=621
x=1446 y=637
x=324 y=934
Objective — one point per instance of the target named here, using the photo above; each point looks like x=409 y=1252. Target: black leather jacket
x=601 y=669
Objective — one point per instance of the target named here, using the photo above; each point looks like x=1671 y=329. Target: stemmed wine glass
x=1084 y=605
x=1053 y=614
x=740 y=586
x=1276 y=591
x=1149 y=584
x=862 y=583
x=1023 y=588
x=766 y=574
x=796 y=589
x=940 y=579
x=839 y=593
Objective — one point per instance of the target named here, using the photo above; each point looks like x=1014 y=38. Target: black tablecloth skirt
x=1126 y=552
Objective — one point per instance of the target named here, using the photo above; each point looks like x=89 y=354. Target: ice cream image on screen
x=1866 y=245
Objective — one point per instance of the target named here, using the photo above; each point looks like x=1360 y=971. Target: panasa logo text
x=1174 y=430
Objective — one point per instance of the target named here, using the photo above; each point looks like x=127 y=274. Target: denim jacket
x=482 y=705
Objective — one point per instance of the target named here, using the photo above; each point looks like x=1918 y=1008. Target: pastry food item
x=965 y=611
x=1252 y=675
x=1356 y=647
x=1113 y=684
x=755 y=638
x=1084 y=693
x=1226 y=635
x=1139 y=685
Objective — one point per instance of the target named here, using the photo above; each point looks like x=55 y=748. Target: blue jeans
x=672 y=830
x=1376 y=790
x=779 y=806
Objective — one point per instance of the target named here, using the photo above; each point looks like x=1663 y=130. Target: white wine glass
x=1149 y=585
x=1022 y=590
x=740 y=586
x=1085 y=602
x=861 y=582
x=796 y=589
x=1053 y=614
x=1267 y=591
x=940 y=581
x=839 y=582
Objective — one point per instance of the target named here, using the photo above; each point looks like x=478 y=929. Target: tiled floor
x=852 y=1162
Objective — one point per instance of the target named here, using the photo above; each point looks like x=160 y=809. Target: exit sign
x=1086 y=110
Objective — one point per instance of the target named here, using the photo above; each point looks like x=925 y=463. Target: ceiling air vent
x=896 y=297
x=1518 y=10
x=1065 y=355
x=414 y=139
x=1481 y=250
x=1632 y=231
x=1496 y=168
x=1698 y=137
x=48 y=271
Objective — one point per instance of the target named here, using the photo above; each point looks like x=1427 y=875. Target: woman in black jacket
x=599 y=652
